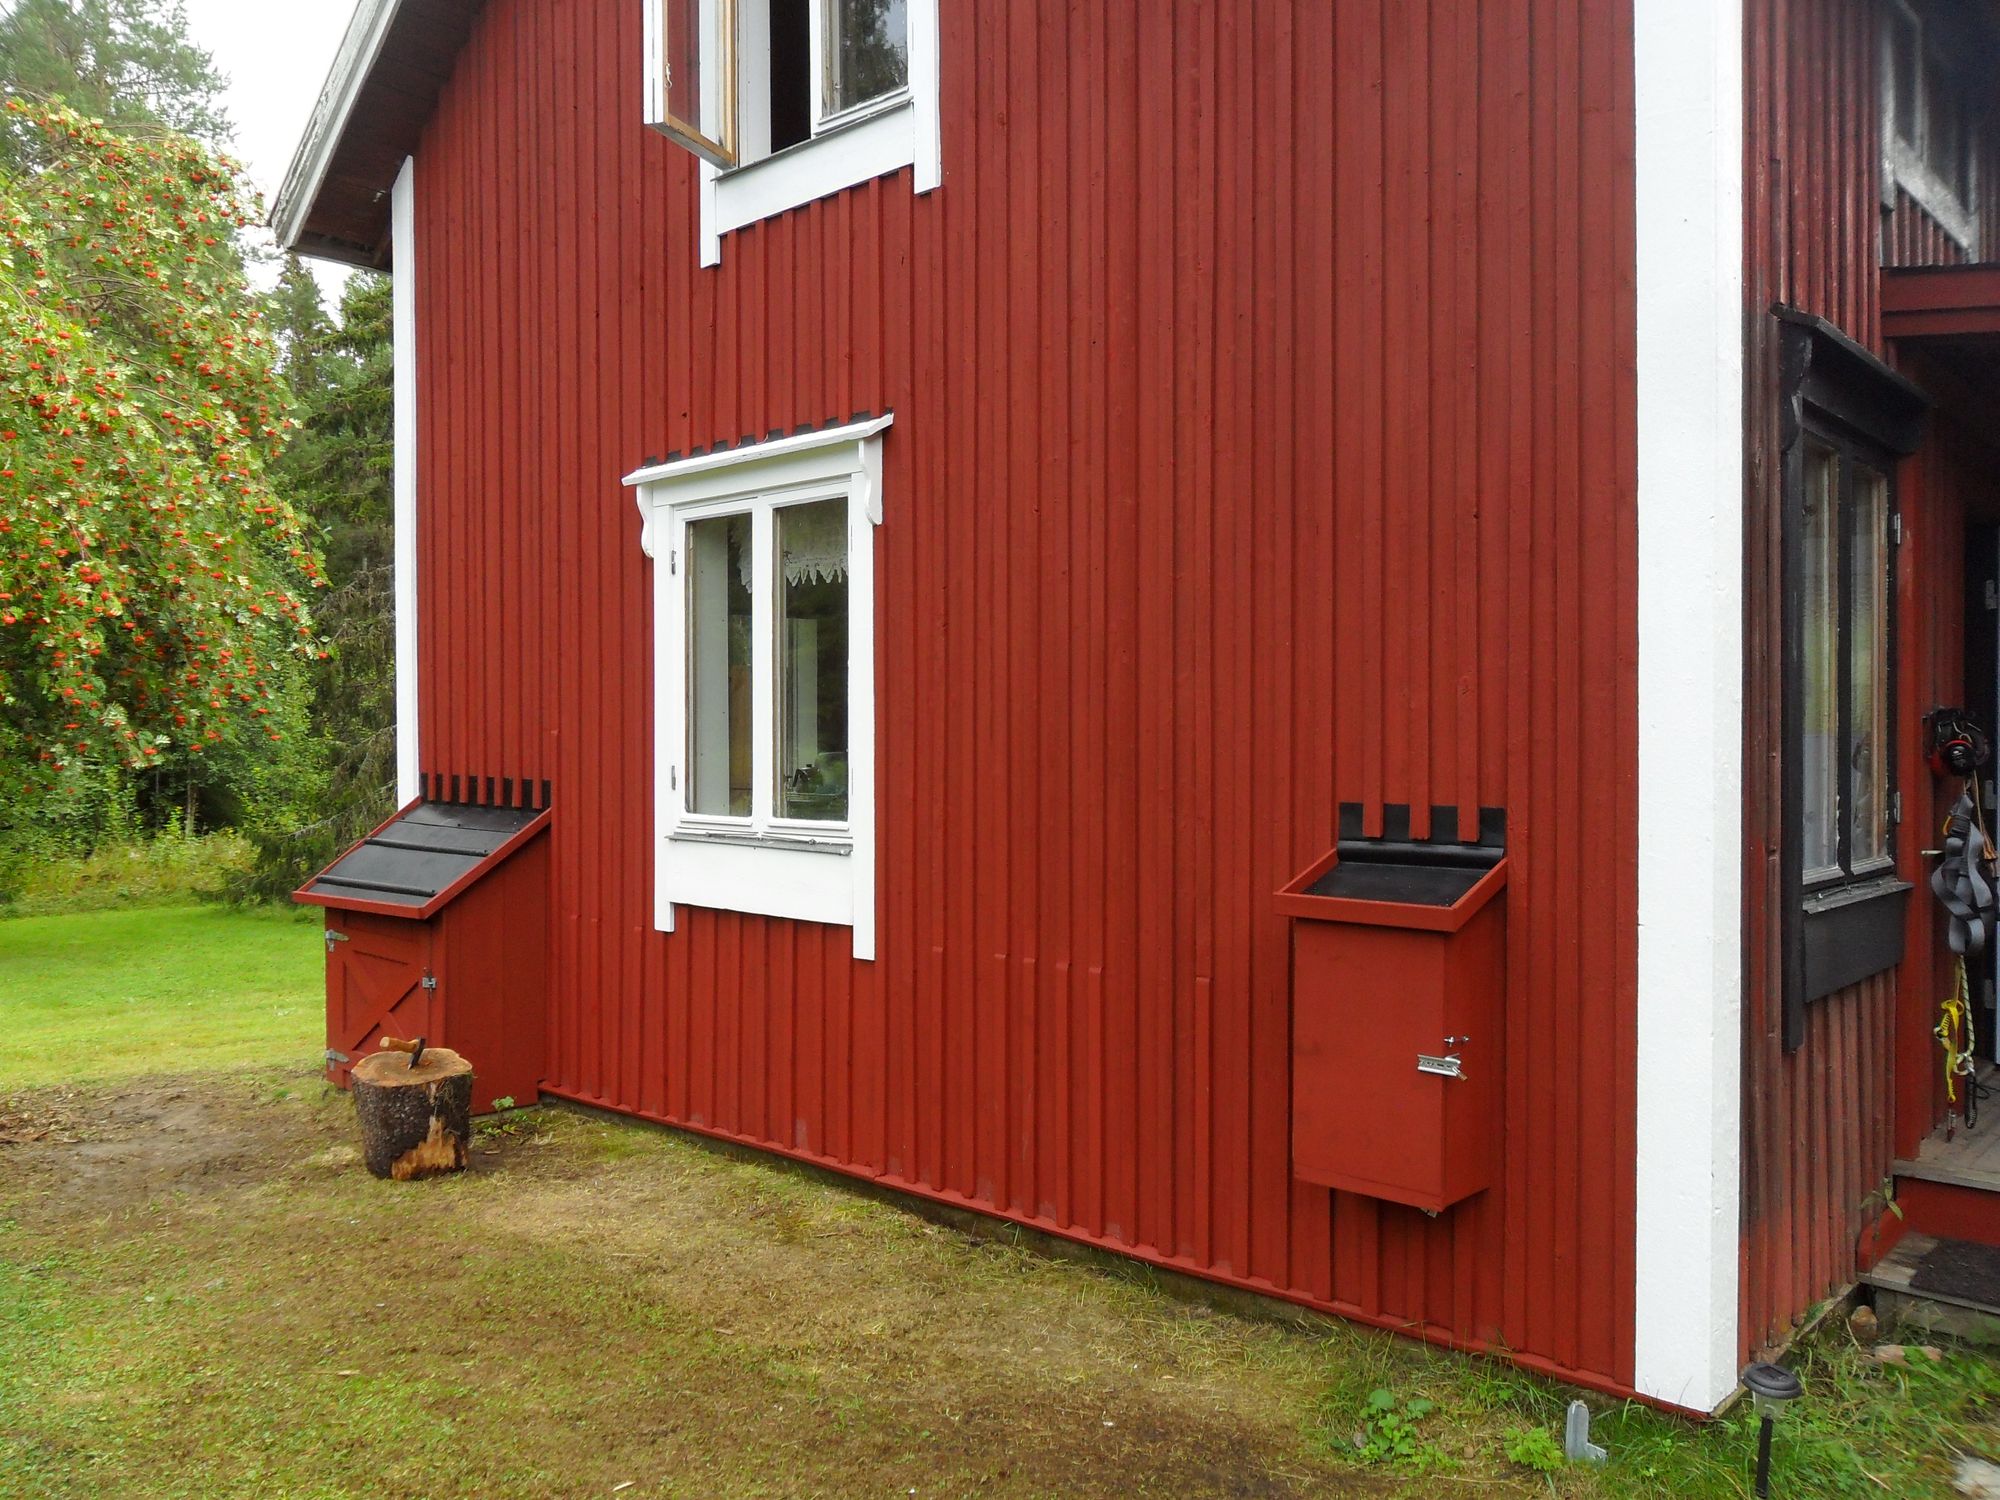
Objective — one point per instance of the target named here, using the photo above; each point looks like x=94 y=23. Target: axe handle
x=415 y=1048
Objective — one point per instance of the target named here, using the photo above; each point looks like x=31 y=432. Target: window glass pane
x=681 y=28
x=812 y=661
x=1868 y=663
x=867 y=51
x=1943 y=131
x=696 y=103
x=1819 y=596
x=718 y=595
x=1904 y=50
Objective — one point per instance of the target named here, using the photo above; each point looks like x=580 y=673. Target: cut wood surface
x=415 y=1121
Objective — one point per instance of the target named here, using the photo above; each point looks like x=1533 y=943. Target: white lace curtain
x=812 y=543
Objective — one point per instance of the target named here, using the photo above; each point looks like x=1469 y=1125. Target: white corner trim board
x=814 y=872
x=1689 y=160
x=403 y=324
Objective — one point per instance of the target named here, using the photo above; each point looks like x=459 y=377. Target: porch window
x=1848 y=420
x=1929 y=128
x=764 y=677
x=1843 y=566
x=786 y=101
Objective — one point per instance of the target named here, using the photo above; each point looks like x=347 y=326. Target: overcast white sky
x=275 y=54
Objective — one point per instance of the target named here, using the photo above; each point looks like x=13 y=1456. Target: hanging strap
x=1960 y=881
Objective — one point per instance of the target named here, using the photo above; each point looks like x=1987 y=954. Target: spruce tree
x=337 y=470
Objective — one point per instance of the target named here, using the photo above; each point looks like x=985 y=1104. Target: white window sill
x=856 y=152
x=798 y=842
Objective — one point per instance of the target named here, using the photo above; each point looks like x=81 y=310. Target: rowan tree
x=153 y=582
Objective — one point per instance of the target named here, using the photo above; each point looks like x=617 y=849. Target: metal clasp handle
x=1449 y=1066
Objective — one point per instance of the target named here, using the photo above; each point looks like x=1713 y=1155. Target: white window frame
x=764 y=864
x=868 y=141
x=1906 y=163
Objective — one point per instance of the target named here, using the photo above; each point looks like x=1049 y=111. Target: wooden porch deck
x=1971 y=1159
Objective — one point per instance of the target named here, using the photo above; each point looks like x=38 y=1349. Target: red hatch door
x=376 y=973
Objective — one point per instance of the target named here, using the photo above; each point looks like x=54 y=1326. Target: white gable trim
x=1690 y=129
x=359 y=48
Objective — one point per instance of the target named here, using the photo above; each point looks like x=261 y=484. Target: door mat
x=1960 y=1270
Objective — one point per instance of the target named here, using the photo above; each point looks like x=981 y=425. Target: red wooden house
x=1295 y=639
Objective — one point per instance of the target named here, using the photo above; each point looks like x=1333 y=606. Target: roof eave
x=360 y=47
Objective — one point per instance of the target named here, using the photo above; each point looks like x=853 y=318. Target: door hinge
x=673 y=778
x=673 y=561
x=1896 y=528
x=430 y=980
x=337 y=1057
x=1993 y=593
x=1896 y=808
x=333 y=937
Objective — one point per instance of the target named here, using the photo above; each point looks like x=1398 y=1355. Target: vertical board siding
x=1235 y=473
x=1821 y=1125
x=1913 y=238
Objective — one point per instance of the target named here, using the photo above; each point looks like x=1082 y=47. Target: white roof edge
x=797 y=442
x=367 y=29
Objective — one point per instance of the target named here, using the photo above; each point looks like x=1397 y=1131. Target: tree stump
x=415 y=1122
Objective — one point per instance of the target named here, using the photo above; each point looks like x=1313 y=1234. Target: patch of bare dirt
x=78 y=1152
x=54 y=1117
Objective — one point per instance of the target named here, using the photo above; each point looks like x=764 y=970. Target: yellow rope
x=1954 y=1033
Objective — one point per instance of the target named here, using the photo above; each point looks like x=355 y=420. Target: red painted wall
x=1264 y=439
x=1821 y=1126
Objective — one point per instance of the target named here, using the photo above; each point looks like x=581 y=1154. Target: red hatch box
x=1399 y=967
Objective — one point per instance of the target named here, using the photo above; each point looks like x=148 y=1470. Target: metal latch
x=333 y=937
x=1449 y=1066
x=430 y=980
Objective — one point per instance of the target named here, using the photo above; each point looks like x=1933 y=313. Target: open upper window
x=764 y=677
x=1848 y=420
x=786 y=101
x=1930 y=128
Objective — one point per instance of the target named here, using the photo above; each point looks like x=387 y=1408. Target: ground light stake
x=1772 y=1388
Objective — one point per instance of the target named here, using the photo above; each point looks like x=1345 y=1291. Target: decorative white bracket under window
x=826 y=877
x=884 y=136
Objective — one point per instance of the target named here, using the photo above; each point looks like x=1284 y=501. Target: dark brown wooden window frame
x=1837 y=931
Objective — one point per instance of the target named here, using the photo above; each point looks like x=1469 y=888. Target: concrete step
x=1944 y=1286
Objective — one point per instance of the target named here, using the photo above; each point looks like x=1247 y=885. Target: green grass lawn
x=111 y=994
x=202 y=1294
